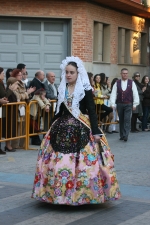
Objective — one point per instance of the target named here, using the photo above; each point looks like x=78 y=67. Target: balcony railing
x=138 y=1
x=145 y=3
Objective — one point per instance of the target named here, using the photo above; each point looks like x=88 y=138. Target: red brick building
x=106 y=35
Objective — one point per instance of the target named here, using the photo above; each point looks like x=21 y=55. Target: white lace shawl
x=81 y=85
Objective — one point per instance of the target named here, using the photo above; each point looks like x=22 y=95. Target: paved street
x=132 y=162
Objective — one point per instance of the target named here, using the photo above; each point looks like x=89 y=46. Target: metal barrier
x=38 y=125
x=13 y=126
x=99 y=111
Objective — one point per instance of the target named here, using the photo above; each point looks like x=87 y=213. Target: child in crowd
x=41 y=109
x=25 y=79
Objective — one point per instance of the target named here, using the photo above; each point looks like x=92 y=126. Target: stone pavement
x=132 y=163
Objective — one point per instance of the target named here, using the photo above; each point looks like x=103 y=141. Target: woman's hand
x=105 y=96
x=14 y=86
x=96 y=93
x=97 y=138
x=47 y=108
x=30 y=90
x=143 y=89
x=3 y=101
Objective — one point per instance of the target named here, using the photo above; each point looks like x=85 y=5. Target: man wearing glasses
x=125 y=97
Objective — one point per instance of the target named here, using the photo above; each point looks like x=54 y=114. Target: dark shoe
x=19 y=147
x=2 y=152
x=114 y=131
x=109 y=132
x=40 y=130
x=134 y=131
x=137 y=130
x=122 y=138
x=9 y=150
x=125 y=139
x=35 y=142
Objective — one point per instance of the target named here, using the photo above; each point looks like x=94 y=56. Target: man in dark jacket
x=50 y=86
x=37 y=82
x=22 y=67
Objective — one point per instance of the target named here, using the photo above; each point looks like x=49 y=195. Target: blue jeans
x=146 y=111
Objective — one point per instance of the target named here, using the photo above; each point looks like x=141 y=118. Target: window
x=53 y=26
x=101 y=45
x=131 y=47
x=8 y=25
x=30 y=26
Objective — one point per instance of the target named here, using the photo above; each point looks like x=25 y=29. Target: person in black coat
x=136 y=113
x=146 y=102
x=38 y=83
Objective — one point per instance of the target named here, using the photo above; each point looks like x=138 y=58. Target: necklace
x=69 y=97
x=71 y=85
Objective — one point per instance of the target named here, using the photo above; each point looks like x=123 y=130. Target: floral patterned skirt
x=75 y=178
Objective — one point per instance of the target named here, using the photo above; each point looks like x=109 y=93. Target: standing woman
x=69 y=168
x=21 y=95
x=146 y=102
x=8 y=73
x=6 y=93
x=100 y=102
x=138 y=111
x=2 y=101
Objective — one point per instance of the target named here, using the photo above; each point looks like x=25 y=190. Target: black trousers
x=106 y=110
x=133 y=121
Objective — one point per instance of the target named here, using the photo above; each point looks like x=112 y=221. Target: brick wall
x=83 y=15
x=115 y=19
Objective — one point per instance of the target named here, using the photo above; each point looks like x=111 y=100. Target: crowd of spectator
x=102 y=87
x=19 y=88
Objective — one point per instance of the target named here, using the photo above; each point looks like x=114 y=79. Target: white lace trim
x=82 y=84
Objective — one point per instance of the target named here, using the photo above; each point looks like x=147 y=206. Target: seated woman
x=105 y=84
x=100 y=102
x=70 y=167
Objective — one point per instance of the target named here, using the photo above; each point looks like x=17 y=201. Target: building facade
x=106 y=36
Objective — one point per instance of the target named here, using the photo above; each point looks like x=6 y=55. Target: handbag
x=21 y=109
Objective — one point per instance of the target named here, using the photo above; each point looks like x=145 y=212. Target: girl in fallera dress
x=75 y=165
